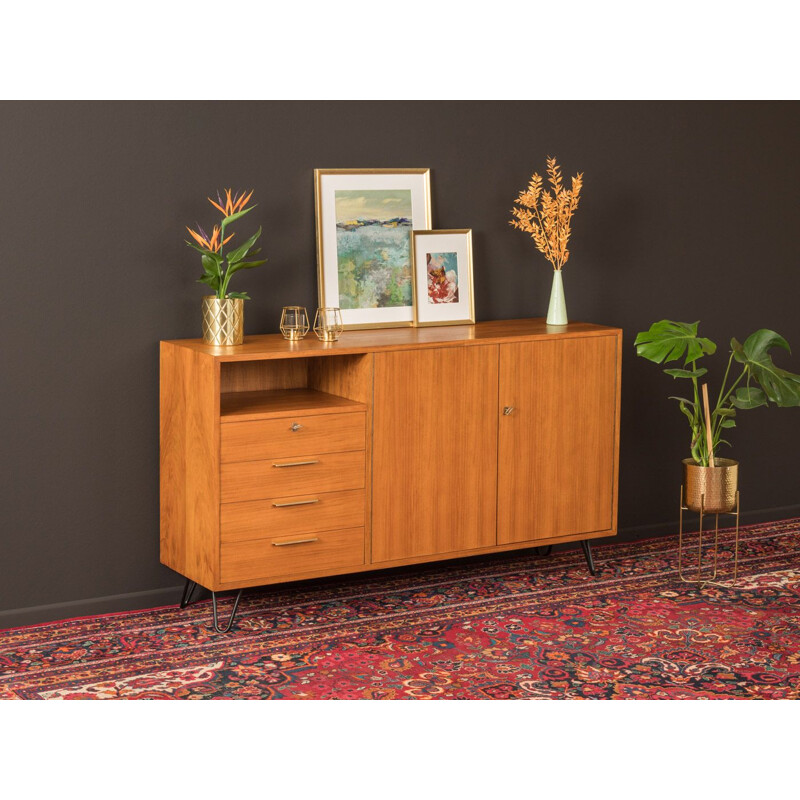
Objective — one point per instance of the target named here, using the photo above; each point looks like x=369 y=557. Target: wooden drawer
x=286 y=477
x=287 y=516
x=275 y=438
x=285 y=556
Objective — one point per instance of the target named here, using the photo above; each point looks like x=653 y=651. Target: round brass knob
x=295 y=427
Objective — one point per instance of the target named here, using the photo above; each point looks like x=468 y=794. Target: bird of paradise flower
x=218 y=268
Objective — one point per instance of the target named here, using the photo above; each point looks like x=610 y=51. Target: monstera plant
x=756 y=380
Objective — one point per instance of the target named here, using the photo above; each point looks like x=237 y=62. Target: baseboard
x=133 y=601
x=90 y=606
x=632 y=534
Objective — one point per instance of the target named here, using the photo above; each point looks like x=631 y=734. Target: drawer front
x=285 y=477
x=287 y=516
x=292 y=436
x=285 y=556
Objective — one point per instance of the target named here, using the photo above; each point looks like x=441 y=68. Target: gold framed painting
x=443 y=289
x=364 y=223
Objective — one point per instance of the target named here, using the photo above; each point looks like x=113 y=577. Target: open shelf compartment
x=243 y=406
x=276 y=388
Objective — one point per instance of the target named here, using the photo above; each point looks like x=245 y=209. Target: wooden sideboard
x=282 y=461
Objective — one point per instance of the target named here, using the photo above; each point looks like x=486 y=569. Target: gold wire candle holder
x=328 y=324
x=294 y=323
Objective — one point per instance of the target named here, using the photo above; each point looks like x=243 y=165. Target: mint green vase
x=557 y=310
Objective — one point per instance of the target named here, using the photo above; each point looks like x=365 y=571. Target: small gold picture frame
x=443 y=285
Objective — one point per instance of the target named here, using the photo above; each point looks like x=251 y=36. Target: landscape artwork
x=442 y=277
x=373 y=248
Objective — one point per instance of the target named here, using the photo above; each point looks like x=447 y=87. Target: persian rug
x=506 y=626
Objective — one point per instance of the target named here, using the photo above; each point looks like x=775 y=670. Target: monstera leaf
x=749 y=397
x=668 y=341
x=779 y=386
x=686 y=373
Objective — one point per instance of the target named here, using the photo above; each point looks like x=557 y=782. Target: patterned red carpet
x=514 y=626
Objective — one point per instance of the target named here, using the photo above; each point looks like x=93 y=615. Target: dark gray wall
x=690 y=212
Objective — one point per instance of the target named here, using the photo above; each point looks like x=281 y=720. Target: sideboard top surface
x=273 y=345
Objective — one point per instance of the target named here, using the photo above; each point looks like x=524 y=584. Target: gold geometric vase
x=223 y=321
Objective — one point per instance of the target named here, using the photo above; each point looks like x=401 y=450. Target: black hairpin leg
x=547 y=550
x=587 y=551
x=187 y=592
x=233 y=613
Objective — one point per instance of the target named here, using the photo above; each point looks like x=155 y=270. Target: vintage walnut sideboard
x=282 y=461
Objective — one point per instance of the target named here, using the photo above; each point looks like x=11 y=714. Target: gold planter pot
x=223 y=321
x=715 y=485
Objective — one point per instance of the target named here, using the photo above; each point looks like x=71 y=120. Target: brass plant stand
x=700 y=579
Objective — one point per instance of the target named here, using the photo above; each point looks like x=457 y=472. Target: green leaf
x=203 y=251
x=245 y=265
x=240 y=252
x=749 y=397
x=728 y=423
x=685 y=411
x=242 y=295
x=210 y=280
x=780 y=386
x=210 y=265
x=723 y=412
x=667 y=341
x=686 y=373
x=688 y=409
x=232 y=217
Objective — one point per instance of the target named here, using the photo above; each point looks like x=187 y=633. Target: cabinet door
x=558 y=446
x=434 y=452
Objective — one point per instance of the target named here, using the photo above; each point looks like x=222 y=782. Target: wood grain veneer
x=557 y=448
x=189 y=473
x=276 y=438
x=256 y=519
x=435 y=451
x=351 y=376
x=436 y=470
x=261 y=480
x=404 y=562
x=260 y=559
x=274 y=346
x=255 y=376
x=242 y=406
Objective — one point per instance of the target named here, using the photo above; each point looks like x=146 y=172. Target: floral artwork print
x=442 y=277
x=373 y=247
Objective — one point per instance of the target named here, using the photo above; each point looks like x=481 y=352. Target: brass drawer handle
x=508 y=411
x=296 y=426
x=295 y=503
x=296 y=541
x=297 y=463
